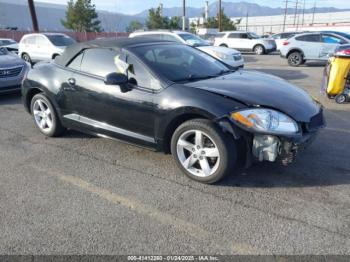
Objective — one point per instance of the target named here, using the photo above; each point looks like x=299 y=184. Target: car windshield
x=179 y=63
x=254 y=36
x=3 y=51
x=193 y=40
x=60 y=40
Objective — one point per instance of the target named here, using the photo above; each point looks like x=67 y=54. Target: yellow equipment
x=338 y=76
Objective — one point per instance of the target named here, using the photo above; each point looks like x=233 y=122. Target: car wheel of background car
x=341 y=98
x=45 y=116
x=295 y=59
x=26 y=58
x=202 y=151
x=259 y=50
x=224 y=45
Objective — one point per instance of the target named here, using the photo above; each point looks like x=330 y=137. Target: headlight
x=265 y=120
x=222 y=56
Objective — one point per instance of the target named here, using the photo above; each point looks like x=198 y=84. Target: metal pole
x=184 y=15
x=33 y=15
x=313 y=13
x=302 y=23
x=296 y=11
x=246 y=22
x=220 y=17
x=285 y=16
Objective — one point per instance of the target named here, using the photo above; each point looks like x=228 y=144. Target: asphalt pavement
x=78 y=194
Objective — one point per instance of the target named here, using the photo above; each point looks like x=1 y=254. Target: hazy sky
x=136 y=6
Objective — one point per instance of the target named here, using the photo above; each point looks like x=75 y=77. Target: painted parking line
x=157 y=215
x=338 y=130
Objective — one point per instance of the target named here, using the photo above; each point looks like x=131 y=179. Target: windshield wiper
x=191 y=78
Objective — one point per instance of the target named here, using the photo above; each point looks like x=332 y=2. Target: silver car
x=311 y=46
x=12 y=71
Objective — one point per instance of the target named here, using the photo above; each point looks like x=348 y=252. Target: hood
x=259 y=89
x=219 y=49
x=10 y=60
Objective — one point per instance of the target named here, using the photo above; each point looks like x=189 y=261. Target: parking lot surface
x=84 y=195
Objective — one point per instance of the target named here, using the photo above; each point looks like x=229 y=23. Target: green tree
x=81 y=16
x=133 y=26
x=156 y=20
x=226 y=22
x=174 y=23
x=193 y=27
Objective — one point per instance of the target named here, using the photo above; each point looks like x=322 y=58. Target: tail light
x=344 y=52
x=285 y=43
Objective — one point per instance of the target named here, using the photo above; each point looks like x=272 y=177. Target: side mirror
x=116 y=79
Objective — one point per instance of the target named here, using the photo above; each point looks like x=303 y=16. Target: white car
x=246 y=41
x=228 y=56
x=45 y=46
x=311 y=46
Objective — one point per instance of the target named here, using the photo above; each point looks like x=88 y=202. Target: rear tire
x=259 y=50
x=224 y=45
x=203 y=152
x=45 y=116
x=295 y=59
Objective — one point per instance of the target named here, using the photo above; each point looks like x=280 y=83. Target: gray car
x=12 y=71
x=311 y=46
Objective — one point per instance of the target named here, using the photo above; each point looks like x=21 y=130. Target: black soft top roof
x=71 y=51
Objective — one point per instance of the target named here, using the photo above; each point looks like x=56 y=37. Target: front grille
x=316 y=122
x=10 y=72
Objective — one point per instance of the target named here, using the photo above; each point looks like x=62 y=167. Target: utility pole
x=33 y=15
x=246 y=22
x=302 y=22
x=285 y=16
x=184 y=15
x=296 y=11
x=313 y=14
x=220 y=17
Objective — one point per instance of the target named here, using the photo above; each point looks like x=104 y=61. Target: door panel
x=109 y=109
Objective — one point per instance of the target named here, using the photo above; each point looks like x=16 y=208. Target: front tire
x=27 y=58
x=202 y=151
x=224 y=45
x=45 y=117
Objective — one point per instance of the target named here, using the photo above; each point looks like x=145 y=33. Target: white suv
x=246 y=41
x=311 y=46
x=46 y=46
x=228 y=56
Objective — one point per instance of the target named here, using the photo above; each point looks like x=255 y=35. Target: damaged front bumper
x=273 y=148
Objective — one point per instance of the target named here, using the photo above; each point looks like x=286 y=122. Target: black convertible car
x=172 y=98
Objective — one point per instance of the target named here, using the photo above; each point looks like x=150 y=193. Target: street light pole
x=296 y=11
x=285 y=16
x=33 y=15
x=184 y=15
x=220 y=17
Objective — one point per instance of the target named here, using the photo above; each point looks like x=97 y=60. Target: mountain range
x=16 y=14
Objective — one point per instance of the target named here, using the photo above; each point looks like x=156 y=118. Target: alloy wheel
x=259 y=50
x=42 y=115
x=295 y=59
x=198 y=153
